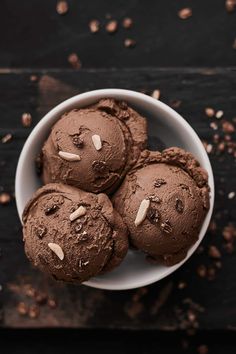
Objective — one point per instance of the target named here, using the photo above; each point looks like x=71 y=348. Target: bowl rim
x=94 y=96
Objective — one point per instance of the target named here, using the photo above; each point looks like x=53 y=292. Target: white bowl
x=163 y=123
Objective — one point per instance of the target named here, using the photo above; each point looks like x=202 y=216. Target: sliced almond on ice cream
x=69 y=156
x=97 y=142
x=142 y=212
x=57 y=250
x=77 y=213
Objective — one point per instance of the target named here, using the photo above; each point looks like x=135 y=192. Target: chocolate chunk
x=107 y=105
x=51 y=210
x=153 y=215
x=77 y=141
x=99 y=166
x=159 y=182
x=179 y=205
x=41 y=231
x=166 y=227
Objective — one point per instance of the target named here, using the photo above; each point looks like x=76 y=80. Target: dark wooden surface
x=85 y=307
x=191 y=61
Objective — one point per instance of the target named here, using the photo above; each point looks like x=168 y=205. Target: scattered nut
x=156 y=94
x=22 y=309
x=62 y=7
x=68 y=156
x=219 y=114
x=129 y=43
x=127 y=22
x=5 y=198
x=34 y=311
x=112 y=26
x=26 y=120
x=142 y=212
x=6 y=138
x=57 y=250
x=94 y=26
x=230 y=5
x=185 y=13
x=231 y=195
x=77 y=213
x=214 y=252
x=228 y=127
x=210 y=112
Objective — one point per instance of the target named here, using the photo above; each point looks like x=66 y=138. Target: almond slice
x=97 y=142
x=142 y=212
x=57 y=250
x=68 y=156
x=77 y=213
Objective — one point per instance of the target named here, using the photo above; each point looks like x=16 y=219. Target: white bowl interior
x=163 y=124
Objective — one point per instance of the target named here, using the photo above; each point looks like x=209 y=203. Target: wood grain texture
x=34 y=35
x=159 y=305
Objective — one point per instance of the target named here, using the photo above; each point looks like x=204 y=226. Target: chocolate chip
x=166 y=227
x=51 y=210
x=5 y=198
x=77 y=141
x=159 y=182
x=39 y=164
x=41 y=231
x=74 y=61
x=99 y=166
x=153 y=215
x=26 y=120
x=179 y=205
x=214 y=252
x=230 y=5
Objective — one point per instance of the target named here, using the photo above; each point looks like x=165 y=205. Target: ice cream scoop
x=93 y=148
x=163 y=202
x=71 y=234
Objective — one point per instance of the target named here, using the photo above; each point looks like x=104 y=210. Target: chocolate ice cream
x=71 y=234
x=163 y=201
x=93 y=148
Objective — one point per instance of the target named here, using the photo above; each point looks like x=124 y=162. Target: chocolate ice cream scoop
x=71 y=234
x=163 y=201
x=93 y=148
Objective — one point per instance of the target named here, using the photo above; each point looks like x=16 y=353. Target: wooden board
x=34 y=35
x=183 y=300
